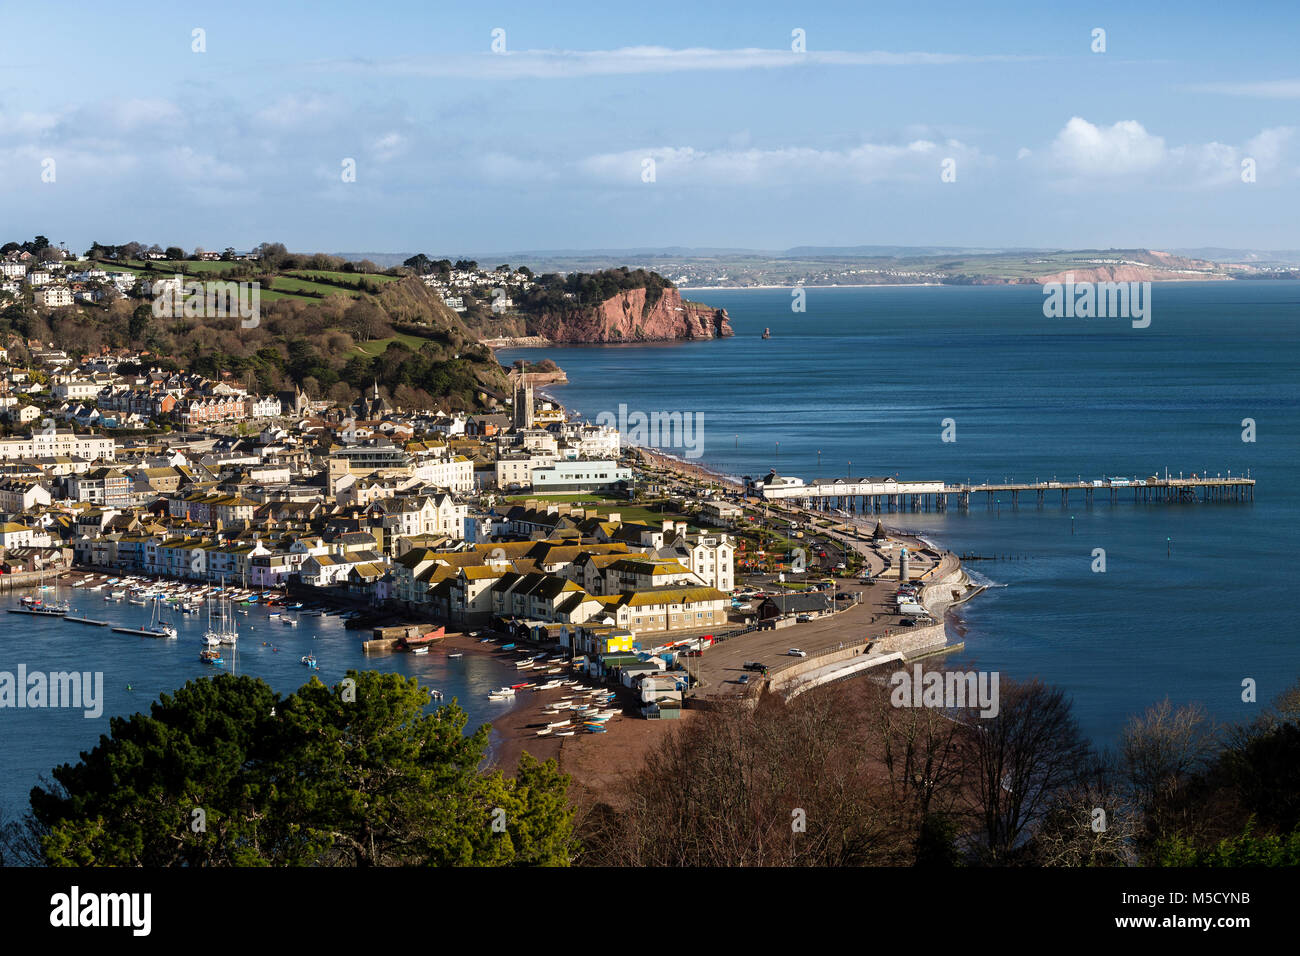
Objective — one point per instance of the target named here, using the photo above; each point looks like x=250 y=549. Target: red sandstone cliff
x=625 y=318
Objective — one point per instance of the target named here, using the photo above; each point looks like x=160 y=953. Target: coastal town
x=522 y=531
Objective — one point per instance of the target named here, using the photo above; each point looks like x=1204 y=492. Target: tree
x=131 y=800
x=356 y=774
x=1019 y=762
x=174 y=253
x=783 y=785
x=1160 y=751
x=141 y=318
x=420 y=263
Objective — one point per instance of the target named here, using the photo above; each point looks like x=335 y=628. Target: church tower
x=523 y=410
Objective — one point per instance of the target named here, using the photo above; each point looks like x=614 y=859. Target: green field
x=284 y=287
x=348 y=277
x=379 y=346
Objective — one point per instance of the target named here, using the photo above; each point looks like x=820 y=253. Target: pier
x=881 y=495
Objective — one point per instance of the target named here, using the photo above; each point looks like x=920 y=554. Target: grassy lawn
x=285 y=283
x=379 y=346
x=285 y=288
x=348 y=277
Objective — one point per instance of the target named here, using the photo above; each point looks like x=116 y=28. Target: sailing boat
x=226 y=632
x=157 y=627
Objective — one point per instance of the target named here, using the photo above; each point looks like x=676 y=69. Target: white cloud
x=869 y=162
x=292 y=110
x=1269 y=89
x=388 y=146
x=551 y=64
x=1086 y=150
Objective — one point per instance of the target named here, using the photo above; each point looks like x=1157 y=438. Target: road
x=875 y=615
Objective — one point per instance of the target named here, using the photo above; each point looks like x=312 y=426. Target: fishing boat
x=309 y=660
x=42 y=610
x=209 y=656
x=420 y=650
x=291 y=621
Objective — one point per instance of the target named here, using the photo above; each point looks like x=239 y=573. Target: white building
x=62 y=442
x=53 y=297
x=593 y=475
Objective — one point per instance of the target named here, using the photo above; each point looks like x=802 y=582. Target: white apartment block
x=61 y=443
x=53 y=297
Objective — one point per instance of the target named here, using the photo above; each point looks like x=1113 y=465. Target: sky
x=482 y=128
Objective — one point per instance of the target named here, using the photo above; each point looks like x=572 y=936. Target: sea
x=136 y=670
x=1194 y=601
x=1189 y=602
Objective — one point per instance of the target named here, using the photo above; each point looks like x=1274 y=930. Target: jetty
x=879 y=495
x=86 y=620
x=142 y=631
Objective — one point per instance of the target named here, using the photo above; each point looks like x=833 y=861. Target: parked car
x=802 y=619
x=742 y=679
x=752 y=665
x=795 y=652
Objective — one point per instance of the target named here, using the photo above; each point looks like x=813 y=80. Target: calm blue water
x=32 y=742
x=867 y=376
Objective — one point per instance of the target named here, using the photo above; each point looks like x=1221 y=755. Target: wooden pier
x=878 y=496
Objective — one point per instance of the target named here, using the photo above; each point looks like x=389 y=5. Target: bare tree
x=1161 y=750
x=781 y=785
x=1019 y=762
x=1091 y=822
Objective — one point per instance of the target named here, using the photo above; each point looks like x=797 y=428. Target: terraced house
x=669 y=609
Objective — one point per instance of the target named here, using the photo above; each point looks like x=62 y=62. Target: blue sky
x=462 y=150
